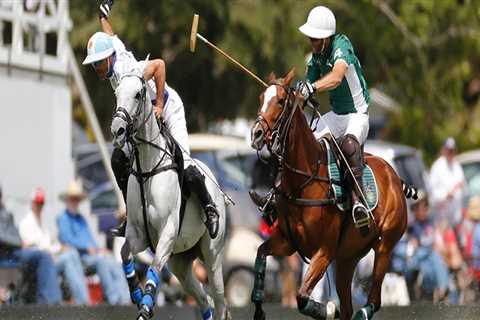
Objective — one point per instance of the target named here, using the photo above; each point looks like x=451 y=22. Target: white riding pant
x=340 y=125
x=174 y=116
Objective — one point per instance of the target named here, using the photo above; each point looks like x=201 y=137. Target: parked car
x=405 y=160
x=470 y=162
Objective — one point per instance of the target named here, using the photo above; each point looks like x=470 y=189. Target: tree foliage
x=423 y=53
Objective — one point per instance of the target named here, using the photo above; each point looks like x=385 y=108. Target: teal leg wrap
x=260 y=267
x=311 y=308
x=366 y=313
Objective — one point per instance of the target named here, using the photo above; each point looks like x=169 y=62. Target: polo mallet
x=193 y=42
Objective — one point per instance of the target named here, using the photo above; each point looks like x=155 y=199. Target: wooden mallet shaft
x=193 y=42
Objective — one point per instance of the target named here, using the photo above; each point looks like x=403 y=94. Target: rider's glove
x=305 y=88
x=105 y=8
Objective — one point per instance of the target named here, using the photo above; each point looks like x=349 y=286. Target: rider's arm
x=332 y=79
x=156 y=69
x=106 y=26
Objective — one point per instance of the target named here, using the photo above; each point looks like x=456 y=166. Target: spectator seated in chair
x=75 y=232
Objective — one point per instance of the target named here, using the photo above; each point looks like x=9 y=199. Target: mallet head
x=193 y=34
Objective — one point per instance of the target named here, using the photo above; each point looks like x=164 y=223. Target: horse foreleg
x=164 y=249
x=380 y=267
x=344 y=273
x=128 y=265
x=275 y=245
x=307 y=306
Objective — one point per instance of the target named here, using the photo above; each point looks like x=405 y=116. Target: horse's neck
x=150 y=155
x=304 y=151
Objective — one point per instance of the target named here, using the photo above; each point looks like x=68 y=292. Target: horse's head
x=131 y=97
x=272 y=104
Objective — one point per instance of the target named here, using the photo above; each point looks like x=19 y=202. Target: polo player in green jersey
x=335 y=68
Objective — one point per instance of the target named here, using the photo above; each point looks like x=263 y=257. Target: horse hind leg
x=181 y=266
x=275 y=245
x=213 y=264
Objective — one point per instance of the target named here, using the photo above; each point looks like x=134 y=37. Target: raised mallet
x=193 y=42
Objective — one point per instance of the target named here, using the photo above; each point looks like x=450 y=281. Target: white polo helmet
x=320 y=23
x=99 y=47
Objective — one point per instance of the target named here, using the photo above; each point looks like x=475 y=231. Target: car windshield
x=410 y=169
x=472 y=175
x=230 y=172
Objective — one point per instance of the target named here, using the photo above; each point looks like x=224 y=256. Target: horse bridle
x=274 y=131
x=276 y=146
x=123 y=113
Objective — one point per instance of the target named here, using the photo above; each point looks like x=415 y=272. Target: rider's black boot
x=121 y=169
x=196 y=183
x=354 y=154
x=266 y=204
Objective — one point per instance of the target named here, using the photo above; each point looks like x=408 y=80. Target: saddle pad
x=369 y=183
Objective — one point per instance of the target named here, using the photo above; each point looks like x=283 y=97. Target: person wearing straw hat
x=75 y=232
x=111 y=60
x=67 y=260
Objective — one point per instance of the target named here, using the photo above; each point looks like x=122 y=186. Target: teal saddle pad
x=369 y=184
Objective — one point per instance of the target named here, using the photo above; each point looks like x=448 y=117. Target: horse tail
x=409 y=191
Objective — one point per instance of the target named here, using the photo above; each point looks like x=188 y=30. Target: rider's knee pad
x=350 y=145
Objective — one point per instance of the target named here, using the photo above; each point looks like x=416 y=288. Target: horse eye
x=137 y=96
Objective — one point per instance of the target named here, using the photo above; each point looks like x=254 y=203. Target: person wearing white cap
x=335 y=68
x=110 y=59
x=447 y=180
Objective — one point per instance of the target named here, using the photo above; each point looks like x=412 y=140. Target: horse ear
x=271 y=77
x=289 y=77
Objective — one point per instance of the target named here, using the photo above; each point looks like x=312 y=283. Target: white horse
x=134 y=122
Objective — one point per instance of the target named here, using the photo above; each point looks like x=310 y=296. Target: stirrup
x=363 y=221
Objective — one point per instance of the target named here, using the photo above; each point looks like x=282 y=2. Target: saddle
x=337 y=173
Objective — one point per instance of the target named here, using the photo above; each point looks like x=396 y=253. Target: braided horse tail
x=409 y=191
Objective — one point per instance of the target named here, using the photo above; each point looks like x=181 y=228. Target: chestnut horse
x=308 y=222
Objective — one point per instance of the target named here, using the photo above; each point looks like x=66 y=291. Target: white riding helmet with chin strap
x=320 y=23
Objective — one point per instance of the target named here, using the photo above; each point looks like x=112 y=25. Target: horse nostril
x=120 y=131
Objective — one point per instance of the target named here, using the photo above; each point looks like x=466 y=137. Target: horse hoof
x=366 y=313
x=259 y=315
x=145 y=313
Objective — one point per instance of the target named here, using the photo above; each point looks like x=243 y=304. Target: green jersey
x=352 y=93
